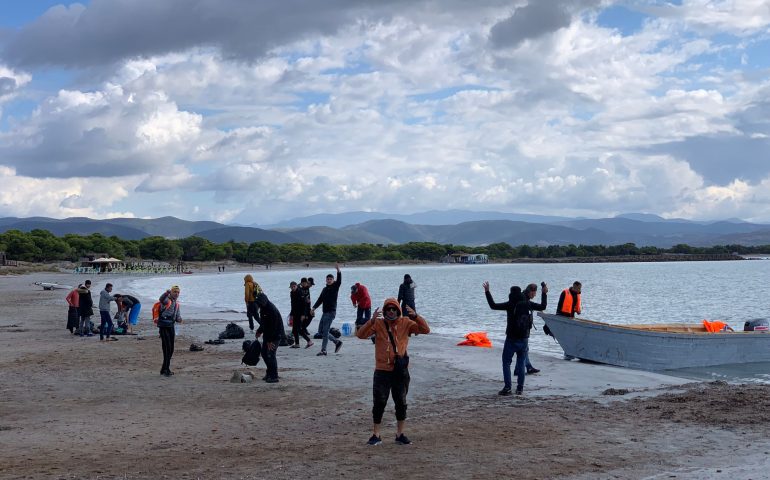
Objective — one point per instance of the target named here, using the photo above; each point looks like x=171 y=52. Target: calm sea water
x=451 y=297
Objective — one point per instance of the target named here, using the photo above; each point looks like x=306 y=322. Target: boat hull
x=651 y=350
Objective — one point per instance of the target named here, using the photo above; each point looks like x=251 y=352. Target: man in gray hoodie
x=105 y=297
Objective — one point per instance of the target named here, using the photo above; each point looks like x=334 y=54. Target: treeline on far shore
x=42 y=246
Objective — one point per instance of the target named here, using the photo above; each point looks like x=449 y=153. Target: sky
x=254 y=112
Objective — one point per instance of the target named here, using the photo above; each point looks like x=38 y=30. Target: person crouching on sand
x=169 y=316
x=271 y=326
x=391 y=371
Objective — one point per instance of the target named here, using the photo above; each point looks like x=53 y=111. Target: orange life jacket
x=476 y=339
x=715 y=326
x=566 y=306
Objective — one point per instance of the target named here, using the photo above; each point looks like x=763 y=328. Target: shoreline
x=199 y=425
x=24 y=268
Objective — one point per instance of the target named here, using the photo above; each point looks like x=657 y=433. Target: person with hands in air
x=391 y=373
x=328 y=298
x=519 y=323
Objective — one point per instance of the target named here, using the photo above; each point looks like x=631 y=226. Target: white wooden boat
x=53 y=286
x=655 y=346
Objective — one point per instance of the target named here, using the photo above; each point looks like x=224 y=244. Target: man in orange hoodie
x=391 y=371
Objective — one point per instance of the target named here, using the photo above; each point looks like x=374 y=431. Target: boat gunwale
x=643 y=331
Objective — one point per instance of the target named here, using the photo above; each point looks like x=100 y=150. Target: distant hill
x=170 y=227
x=78 y=226
x=641 y=229
x=245 y=234
x=432 y=217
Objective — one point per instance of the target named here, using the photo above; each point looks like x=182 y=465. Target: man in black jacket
x=270 y=326
x=328 y=298
x=519 y=318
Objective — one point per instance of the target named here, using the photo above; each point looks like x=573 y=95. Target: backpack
x=252 y=349
x=155 y=312
x=521 y=321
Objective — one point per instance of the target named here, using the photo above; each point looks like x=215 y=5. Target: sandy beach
x=73 y=407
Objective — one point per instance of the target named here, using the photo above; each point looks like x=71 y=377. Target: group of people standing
x=80 y=311
x=519 y=316
x=389 y=328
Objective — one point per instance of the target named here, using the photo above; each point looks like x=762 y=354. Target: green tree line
x=42 y=245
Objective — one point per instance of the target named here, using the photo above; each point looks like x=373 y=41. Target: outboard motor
x=757 y=325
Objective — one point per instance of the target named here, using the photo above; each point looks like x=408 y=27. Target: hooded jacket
x=406 y=292
x=270 y=319
x=250 y=289
x=516 y=306
x=361 y=298
x=400 y=328
x=85 y=302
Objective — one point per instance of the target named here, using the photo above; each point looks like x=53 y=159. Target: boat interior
x=665 y=327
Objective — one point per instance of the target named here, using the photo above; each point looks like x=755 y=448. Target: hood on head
x=261 y=299
x=248 y=278
x=392 y=301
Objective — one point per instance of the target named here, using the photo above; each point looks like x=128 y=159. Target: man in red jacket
x=359 y=295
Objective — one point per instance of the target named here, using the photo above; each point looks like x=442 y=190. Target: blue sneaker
x=374 y=440
x=402 y=440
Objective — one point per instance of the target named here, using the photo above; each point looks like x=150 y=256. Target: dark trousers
x=298 y=329
x=385 y=383
x=252 y=312
x=271 y=363
x=167 y=343
x=520 y=347
x=106 y=327
x=363 y=315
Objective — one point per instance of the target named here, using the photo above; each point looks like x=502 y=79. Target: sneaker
x=271 y=380
x=505 y=391
x=322 y=353
x=532 y=371
x=519 y=391
x=166 y=374
x=294 y=346
x=318 y=336
x=402 y=440
x=338 y=346
x=374 y=440
x=309 y=344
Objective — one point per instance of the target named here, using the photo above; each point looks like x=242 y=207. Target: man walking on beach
x=328 y=298
x=359 y=295
x=251 y=290
x=519 y=323
x=105 y=297
x=406 y=293
x=169 y=316
x=569 y=301
x=85 y=309
x=391 y=371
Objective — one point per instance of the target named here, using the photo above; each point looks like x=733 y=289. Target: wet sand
x=73 y=407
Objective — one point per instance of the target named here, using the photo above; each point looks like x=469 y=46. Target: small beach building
x=467 y=258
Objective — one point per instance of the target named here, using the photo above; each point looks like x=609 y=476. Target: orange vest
x=566 y=306
x=714 y=327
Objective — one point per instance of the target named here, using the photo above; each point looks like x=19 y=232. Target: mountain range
x=457 y=227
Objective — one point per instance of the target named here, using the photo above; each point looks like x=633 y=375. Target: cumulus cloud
x=106 y=31
x=389 y=106
x=105 y=133
x=11 y=82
